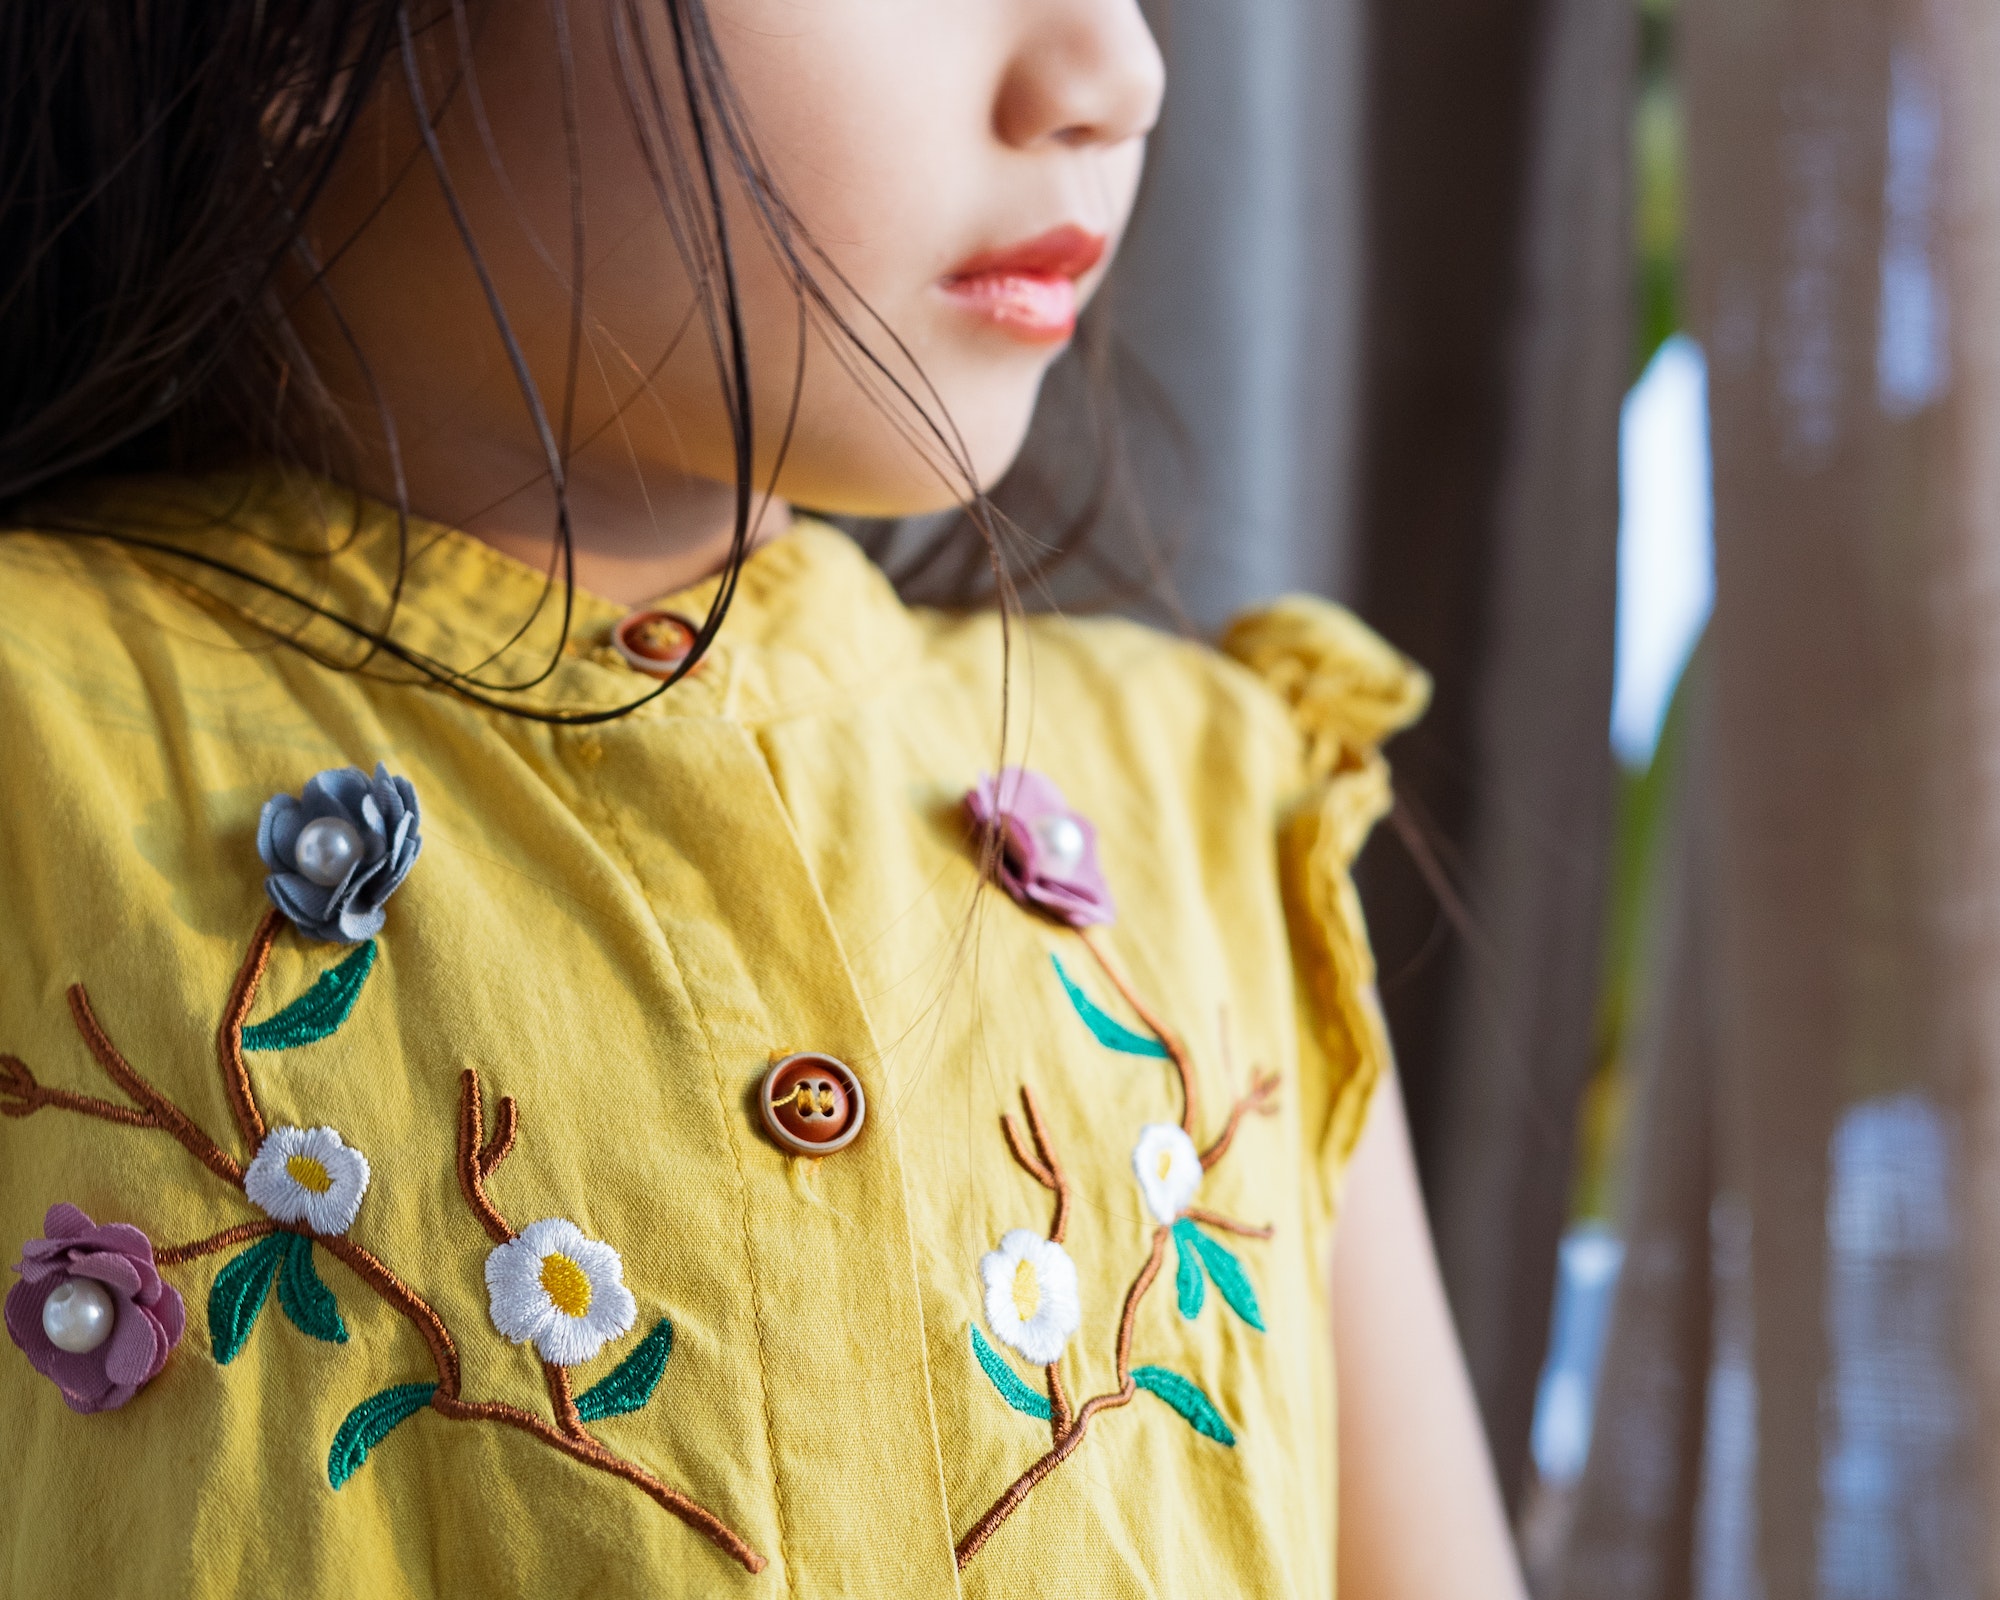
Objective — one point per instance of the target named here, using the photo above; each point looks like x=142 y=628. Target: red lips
x=1028 y=290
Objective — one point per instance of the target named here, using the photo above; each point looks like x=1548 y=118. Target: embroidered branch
x=1040 y=1162
x=477 y=1156
x=1169 y=1040
x=174 y=1254
x=164 y=1113
x=229 y=1035
x=1261 y=1099
x=1067 y=1424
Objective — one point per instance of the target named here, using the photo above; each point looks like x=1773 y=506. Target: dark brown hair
x=157 y=159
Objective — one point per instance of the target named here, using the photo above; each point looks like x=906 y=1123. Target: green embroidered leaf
x=1110 y=1032
x=1188 y=1280
x=1185 y=1398
x=238 y=1294
x=368 y=1424
x=1230 y=1279
x=631 y=1383
x=1016 y=1393
x=305 y=1298
x=320 y=1010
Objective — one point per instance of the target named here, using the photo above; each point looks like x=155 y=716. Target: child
x=653 y=1068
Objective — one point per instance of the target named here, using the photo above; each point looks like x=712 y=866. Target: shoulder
x=1299 y=690
x=1346 y=688
x=92 y=633
x=70 y=598
x=130 y=712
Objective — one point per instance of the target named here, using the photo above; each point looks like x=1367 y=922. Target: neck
x=672 y=543
x=632 y=539
x=632 y=548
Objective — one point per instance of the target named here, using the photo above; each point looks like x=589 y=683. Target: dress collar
x=811 y=616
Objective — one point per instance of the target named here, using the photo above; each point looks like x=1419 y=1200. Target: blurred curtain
x=1382 y=278
x=1799 y=1395
x=1500 y=346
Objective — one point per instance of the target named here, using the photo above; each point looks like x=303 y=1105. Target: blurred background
x=1625 y=362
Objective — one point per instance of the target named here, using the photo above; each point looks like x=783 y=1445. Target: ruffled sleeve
x=1347 y=691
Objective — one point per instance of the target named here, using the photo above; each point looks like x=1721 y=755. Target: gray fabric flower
x=338 y=851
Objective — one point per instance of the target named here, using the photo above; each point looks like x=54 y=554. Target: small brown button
x=812 y=1104
x=654 y=642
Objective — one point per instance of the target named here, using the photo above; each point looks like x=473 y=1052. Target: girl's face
x=965 y=165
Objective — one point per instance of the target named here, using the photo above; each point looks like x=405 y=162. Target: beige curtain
x=1802 y=1374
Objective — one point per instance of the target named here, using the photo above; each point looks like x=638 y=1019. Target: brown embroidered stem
x=165 y=1113
x=1041 y=1162
x=569 y=1431
x=1215 y=1219
x=582 y=1447
x=1176 y=1051
x=174 y=1254
x=1023 y=1486
x=1059 y=1412
x=1133 y=1296
x=1069 y=1435
x=229 y=1034
x=21 y=1095
x=1017 y=1491
x=494 y=1151
x=472 y=1163
x=563 y=1402
x=1024 y=1155
x=1258 y=1100
x=411 y=1305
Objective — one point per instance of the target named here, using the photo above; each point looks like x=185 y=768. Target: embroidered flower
x=1168 y=1168
x=308 y=1175
x=1031 y=1298
x=91 y=1310
x=563 y=1291
x=339 y=850
x=1048 y=853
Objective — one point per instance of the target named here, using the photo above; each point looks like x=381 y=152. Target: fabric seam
x=725 y=1107
x=902 y=1169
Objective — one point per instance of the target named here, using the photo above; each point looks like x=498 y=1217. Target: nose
x=1084 y=72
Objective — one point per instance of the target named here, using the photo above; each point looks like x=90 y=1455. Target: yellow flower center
x=566 y=1284
x=308 y=1173
x=1027 y=1292
x=1166 y=1164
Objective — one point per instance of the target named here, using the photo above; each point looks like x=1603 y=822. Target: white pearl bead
x=327 y=848
x=1062 y=838
x=78 y=1316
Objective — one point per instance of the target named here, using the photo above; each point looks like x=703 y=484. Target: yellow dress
x=460 y=1253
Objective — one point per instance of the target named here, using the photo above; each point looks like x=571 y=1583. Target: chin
x=876 y=472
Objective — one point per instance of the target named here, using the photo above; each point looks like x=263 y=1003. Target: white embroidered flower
x=1168 y=1168
x=1031 y=1298
x=560 y=1289
x=307 y=1175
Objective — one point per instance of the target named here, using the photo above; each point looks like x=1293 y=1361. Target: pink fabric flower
x=147 y=1315
x=1048 y=853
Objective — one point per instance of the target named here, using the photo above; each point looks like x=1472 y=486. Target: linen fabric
x=621 y=926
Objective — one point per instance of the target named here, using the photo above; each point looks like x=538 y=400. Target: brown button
x=654 y=642
x=812 y=1104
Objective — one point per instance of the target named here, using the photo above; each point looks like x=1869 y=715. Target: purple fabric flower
x=147 y=1316
x=339 y=850
x=1048 y=853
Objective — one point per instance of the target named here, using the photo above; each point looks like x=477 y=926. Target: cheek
x=873 y=119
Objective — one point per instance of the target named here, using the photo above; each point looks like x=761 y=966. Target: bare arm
x=1420 y=1512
